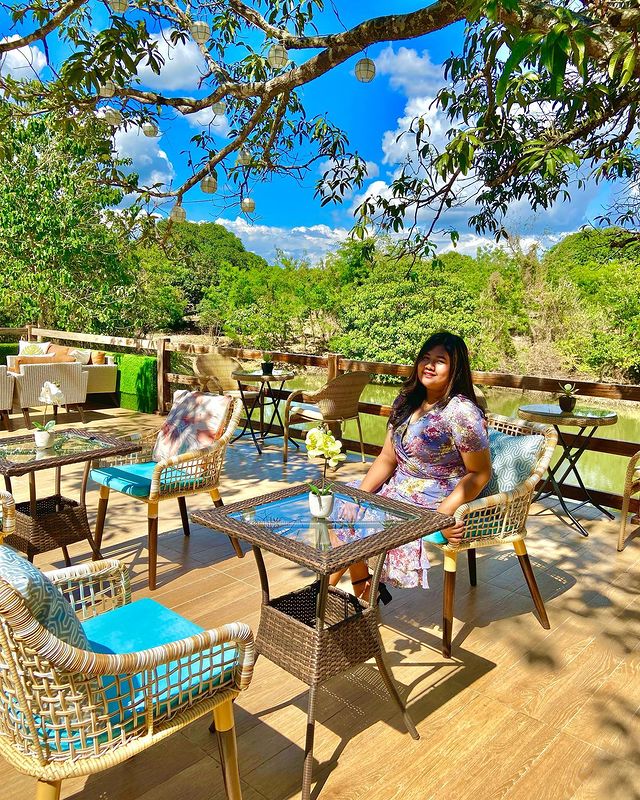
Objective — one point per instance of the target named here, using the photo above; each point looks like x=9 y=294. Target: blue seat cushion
x=135 y=479
x=43 y=599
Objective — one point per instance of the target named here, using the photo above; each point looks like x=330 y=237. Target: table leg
x=262 y=572
x=573 y=459
x=248 y=412
x=275 y=401
x=32 y=494
x=7 y=484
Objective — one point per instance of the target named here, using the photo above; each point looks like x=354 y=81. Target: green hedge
x=7 y=349
x=137 y=382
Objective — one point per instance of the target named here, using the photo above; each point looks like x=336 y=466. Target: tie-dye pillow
x=196 y=420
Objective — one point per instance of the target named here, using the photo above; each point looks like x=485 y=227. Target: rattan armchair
x=152 y=482
x=498 y=520
x=6 y=395
x=336 y=402
x=71 y=379
x=631 y=487
x=67 y=712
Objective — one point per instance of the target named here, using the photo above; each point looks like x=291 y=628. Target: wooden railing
x=334 y=364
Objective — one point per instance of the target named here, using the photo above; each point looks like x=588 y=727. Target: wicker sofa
x=101 y=378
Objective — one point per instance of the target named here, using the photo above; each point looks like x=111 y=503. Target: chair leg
x=361 y=437
x=5 y=419
x=523 y=558
x=285 y=451
x=623 y=520
x=450 y=563
x=152 y=526
x=55 y=412
x=48 y=790
x=102 y=513
x=471 y=558
x=182 y=502
x=226 y=733
x=217 y=502
x=80 y=410
x=26 y=417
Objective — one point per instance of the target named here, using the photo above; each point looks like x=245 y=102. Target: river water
x=598 y=470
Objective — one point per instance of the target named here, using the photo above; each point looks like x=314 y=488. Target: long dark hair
x=413 y=392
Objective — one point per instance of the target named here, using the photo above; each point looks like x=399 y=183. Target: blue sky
x=287 y=215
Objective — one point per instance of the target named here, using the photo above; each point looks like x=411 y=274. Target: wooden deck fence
x=335 y=364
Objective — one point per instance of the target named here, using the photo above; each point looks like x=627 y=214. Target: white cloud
x=25 y=63
x=314 y=241
x=205 y=118
x=412 y=74
x=150 y=162
x=182 y=69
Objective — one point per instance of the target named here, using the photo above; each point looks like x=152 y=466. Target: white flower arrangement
x=321 y=442
x=50 y=395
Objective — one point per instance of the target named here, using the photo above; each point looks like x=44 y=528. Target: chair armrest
x=146 y=440
x=8 y=514
x=631 y=468
x=94 y=587
x=197 y=468
x=498 y=516
x=292 y=396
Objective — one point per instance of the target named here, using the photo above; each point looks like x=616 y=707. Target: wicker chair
x=67 y=712
x=215 y=374
x=178 y=477
x=6 y=395
x=71 y=379
x=497 y=520
x=631 y=487
x=335 y=402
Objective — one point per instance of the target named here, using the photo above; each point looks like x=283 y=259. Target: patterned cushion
x=196 y=420
x=513 y=459
x=32 y=348
x=44 y=600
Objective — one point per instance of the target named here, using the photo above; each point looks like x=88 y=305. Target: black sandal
x=384 y=594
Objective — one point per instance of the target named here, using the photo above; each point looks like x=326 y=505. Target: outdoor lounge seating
x=184 y=458
x=336 y=402
x=6 y=395
x=80 y=697
x=520 y=455
x=631 y=487
x=70 y=377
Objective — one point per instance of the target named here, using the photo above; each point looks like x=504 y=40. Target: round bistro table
x=265 y=396
x=587 y=421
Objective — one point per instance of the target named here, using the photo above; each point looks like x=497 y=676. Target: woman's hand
x=455 y=533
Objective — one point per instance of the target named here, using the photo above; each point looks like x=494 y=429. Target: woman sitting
x=435 y=455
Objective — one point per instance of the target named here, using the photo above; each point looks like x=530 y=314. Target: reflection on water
x=599 y=470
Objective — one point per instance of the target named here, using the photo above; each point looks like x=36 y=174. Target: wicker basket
x=58 y=522
x=287 y=634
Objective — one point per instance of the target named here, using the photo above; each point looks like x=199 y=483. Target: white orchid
x=321 y=442
x=50 y=395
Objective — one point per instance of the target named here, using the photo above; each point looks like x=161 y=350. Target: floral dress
x=430 y=465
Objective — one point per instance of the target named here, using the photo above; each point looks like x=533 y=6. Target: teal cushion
x=135 y=479
x=44 y=600
x=140 y=626
x=513 y=459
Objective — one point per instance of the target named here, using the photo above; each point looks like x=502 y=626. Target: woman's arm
x=478 y=466
x=382 y=468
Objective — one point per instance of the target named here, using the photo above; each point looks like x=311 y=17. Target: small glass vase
x=43 y=439
x=320 y=505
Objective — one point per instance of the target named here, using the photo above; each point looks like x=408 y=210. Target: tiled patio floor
x=518 y=712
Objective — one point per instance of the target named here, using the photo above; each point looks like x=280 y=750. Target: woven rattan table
x=265 y=396
x=319 y=630
x=55 y=521
x=587 y=421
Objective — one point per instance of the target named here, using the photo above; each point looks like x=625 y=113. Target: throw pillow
x=513 y=459
x=196 y=420
x=97 y=357
x=44 y=600
x=80 y=355
x=58 y=350
x=32 y=348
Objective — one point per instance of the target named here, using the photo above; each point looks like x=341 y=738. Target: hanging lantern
x=107 y=89
x=248 y=205
x=244 y=158
x=112 y=116
x=177 y=214
x=365 y=70
x=119 y=6
x=209 y=184
x=200 y=31
x=218 y=108
x=277 y=56
x=150 y=129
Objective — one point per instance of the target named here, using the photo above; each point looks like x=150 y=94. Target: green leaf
x=522 y=48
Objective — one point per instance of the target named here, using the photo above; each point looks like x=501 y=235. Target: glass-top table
x=587 y=420
x=46 y=523
x=319 y=631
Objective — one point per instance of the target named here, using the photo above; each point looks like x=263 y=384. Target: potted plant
x=267 y=363
x=50 y=395
x=566 y=399
x=321 y=442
